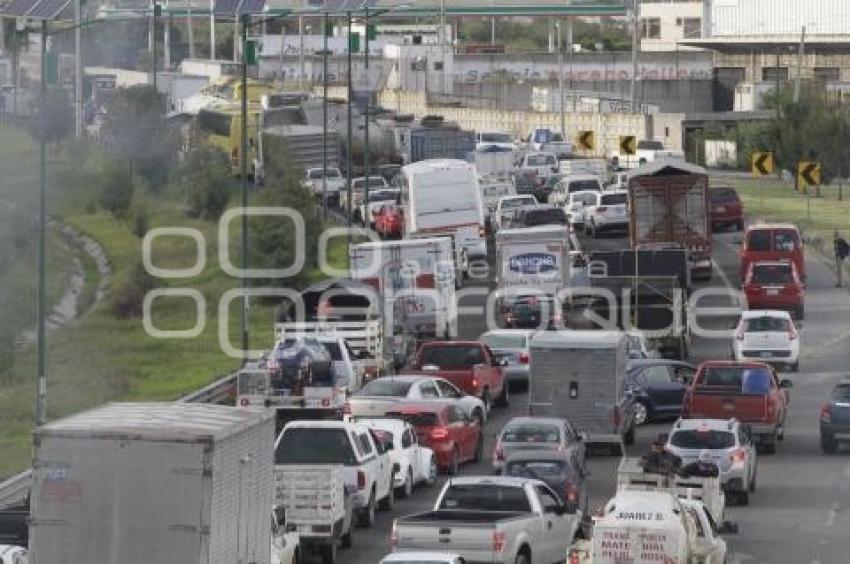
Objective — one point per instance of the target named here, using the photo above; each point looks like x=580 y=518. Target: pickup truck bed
x=464 y=517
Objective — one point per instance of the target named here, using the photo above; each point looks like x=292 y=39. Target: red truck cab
x=772 y=242
x=469 y=365
x=747 y=391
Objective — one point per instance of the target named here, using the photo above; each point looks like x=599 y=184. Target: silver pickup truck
x=491 y=520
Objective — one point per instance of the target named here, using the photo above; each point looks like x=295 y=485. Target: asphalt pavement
x=800 y=512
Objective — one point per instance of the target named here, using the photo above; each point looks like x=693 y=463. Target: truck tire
x=346 y=539
x=386 y=504
x=828 y=444
x=743 y=497
x=329 y=553
x=629 y=437
x=770 y=446
x=524 y=556
x=642 y=414
x=366 y=516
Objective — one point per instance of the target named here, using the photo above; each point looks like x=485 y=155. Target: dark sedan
x=835 y=418
x=563 y=471
x=658 y=386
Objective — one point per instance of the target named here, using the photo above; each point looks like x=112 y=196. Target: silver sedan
x=511 y=345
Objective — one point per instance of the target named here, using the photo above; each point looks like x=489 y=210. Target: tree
x=56 y=119
x=116 y=189
x=206 y=174
x=135 y=124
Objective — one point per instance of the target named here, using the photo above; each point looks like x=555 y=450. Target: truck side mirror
x=784 y=383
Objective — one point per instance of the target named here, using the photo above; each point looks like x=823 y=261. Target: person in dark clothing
x=660 y=461
x=704 y=467
x=842 y=251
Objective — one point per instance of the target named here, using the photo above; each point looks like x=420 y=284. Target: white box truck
x=533 y=259
x=136 y=483
x=578 y=375
x=441 y=197
x=416 y=279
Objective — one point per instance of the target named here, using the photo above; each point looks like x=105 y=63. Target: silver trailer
x=578 y=375
x=137 y=483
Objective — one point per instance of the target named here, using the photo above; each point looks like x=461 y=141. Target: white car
x=609 y=213
x=423 y=558
x=574 y=183
x=506 y=206
x=546 y=164
x=577 y=205
x=768 y=336
x=367 y=467
x=381 y=395
x=11 y=554
x=417 y=463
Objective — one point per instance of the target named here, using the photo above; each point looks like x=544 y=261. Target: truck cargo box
x=440 y=143
x=136 y=483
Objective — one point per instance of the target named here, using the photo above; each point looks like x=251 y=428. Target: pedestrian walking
x=842 y=250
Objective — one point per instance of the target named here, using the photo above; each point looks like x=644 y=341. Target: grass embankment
x=817 y=216
x=101 y=358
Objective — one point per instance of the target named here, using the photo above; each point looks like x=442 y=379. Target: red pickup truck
x=469 y=365
x=747 y=391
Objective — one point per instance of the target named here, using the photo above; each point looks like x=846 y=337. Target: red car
x=726 y=208
x=389 y=222
x=748 y=391
x=775 y=285
x=772 y=241
x=469 y=365
x=446 y=429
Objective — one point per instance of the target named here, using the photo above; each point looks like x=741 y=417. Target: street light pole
x=635 y=46
x=243 y=174
x=560 y=78
x=348 y=135
x=325 y=118
x=41 y=398
x=153 y=43
x=366 y=121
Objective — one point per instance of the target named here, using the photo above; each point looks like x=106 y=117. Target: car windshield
x=373 y=183
x=496 y=137
x=580 y=185
x=386 y=387
x=841 y=393
x=517 y=202
x=485 y=497
x=383 y=196
x=545 y=216
x=758 y=240
x=612 y=199
x=417 y=419
x=497 y=341
x=702 y=439
x=317 y=173
x=314 y=446
x=531 y=433
x=540 y=160
x=767 y=324
x=458 y=356
x=537 y=469
x=720 y=195
x=749 y=380
x=772 y=274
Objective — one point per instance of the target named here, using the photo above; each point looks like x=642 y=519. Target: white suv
x=767 y=336
x=367 y=466
x=730 y=447
x=609 y=213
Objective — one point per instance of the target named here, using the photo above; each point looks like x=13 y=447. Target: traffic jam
x=376 y=381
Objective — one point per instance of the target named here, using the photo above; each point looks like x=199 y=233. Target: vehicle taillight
x=738 y=456
x=825 y=413
x=361 y=480
x=498 y=541
x=439 y=433
x=602 y=208
x=523 y=358
x=475 y=383
x=571 y=493
x=394 y=535
x=574 y=557
x=498 y=453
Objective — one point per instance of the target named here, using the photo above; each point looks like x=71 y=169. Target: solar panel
x=225 y=7
x=251 y=6
x=19 y=8
x=48 y=9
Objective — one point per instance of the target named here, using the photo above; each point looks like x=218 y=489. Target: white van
x=443 y=197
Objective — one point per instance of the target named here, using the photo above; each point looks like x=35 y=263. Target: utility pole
x=212 y=30
x=153 y=42
x=324 y=117
x=243 y=178
x=635 y=47
x=41 y=393
x=800 y=54
x=366 y=119
x=348 y=170
x=78 y=68
x=560 y=78
x=443 y=46
x=189 y=29
x=300 y=52
x=166 y=40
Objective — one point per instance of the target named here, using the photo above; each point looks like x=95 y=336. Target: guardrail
x=13 y=490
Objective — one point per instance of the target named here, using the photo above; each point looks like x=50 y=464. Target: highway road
x=801 y=510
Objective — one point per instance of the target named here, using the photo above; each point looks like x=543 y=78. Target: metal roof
x=661 y=165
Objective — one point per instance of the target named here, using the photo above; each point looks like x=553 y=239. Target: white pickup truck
x=491 y=519
x=644 y=527
x=329 y=189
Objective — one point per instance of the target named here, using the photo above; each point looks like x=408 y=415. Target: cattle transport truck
x=668 y=207
x=137 y=483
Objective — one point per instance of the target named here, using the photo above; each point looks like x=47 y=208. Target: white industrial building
x=664 y=23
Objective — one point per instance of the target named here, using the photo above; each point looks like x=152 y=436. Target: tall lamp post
x=243 y=177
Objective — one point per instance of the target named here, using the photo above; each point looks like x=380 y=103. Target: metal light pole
x=635 y=46
x=153 y=42
x=78 y=69
x=243 y=174
x=324 y=118
x=189 y=26
x=366 y=121
x=348 y=134
x=212 y=30
x=560 y=78
x=41 y=397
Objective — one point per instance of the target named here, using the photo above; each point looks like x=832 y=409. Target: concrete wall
x=669 y=14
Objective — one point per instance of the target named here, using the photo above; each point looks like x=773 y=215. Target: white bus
x=442 y=197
